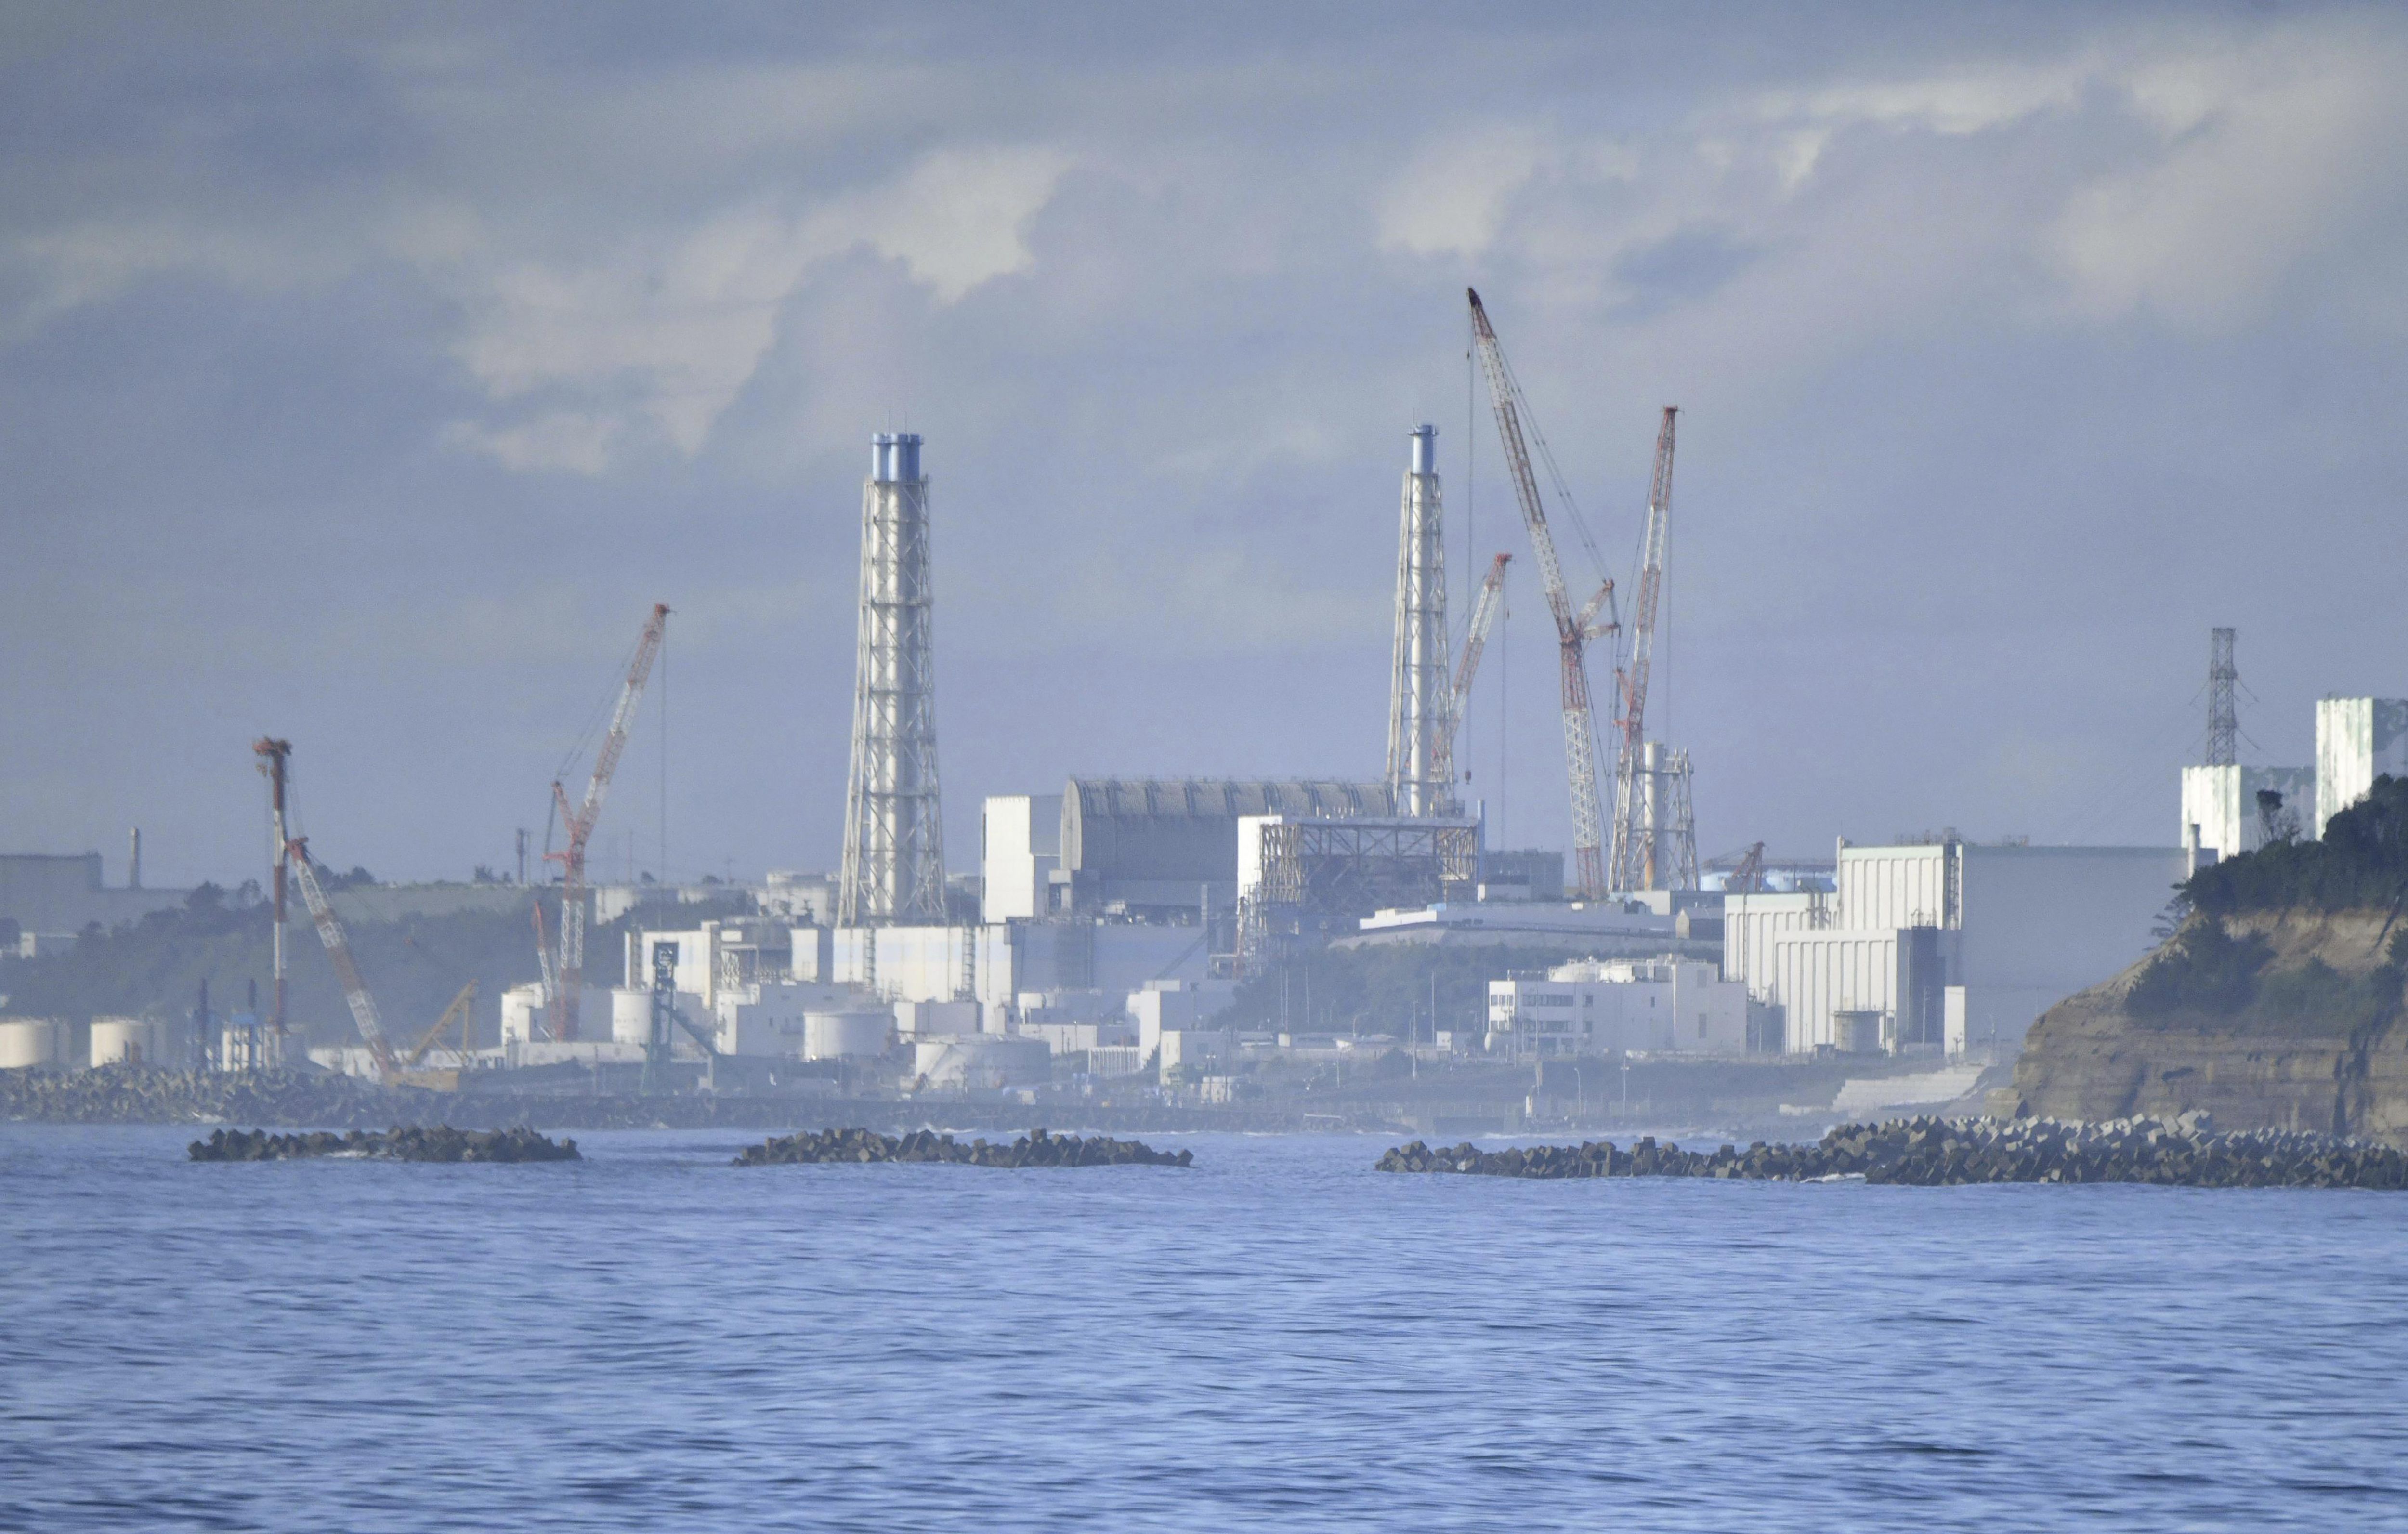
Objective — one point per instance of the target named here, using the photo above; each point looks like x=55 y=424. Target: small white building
x=2221 y=804
x=1188 y=1053
x=2358 y=739
x=1608 y=1005
x=1162 y=1004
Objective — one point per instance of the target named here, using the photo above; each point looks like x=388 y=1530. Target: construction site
x=1294 y=949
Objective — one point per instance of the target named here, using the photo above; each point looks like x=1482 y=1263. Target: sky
x=366 y=373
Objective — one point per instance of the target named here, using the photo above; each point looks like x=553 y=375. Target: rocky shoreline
x=1036 y=1149
x=440 y=1143
x=1944 y=1152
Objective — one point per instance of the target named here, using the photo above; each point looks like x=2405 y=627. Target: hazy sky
x=365 y=372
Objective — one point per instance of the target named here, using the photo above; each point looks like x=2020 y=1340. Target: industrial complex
x=1111 y=926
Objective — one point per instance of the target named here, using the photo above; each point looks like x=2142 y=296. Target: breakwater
x=409 y=1143
x=1946 y=1153
x=1035 y=1149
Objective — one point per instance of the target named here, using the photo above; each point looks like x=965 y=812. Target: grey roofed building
x=1156 y=846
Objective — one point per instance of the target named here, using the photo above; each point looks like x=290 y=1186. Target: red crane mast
x=1573 y=628
x=566 y=972
x=1637 y=807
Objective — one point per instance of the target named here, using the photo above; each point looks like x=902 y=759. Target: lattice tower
x=2223 y=714
x=893 y=833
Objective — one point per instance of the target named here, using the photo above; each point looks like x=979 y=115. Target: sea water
x=1279 y=1338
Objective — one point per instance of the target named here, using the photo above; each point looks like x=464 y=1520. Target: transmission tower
x=2223 y=716
x=894 y=834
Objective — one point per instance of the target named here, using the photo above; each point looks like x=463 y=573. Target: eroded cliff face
x=2311 y=1062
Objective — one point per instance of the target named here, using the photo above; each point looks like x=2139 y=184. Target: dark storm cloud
x=364 y=374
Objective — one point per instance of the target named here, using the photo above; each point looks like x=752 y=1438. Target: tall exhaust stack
x=1419 y=689
x=894 y=831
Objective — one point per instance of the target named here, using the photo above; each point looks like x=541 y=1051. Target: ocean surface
x=1278 y=1338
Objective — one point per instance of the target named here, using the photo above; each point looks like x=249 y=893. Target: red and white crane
x=564 y=972
x=338 y=951
x=1575 y=628
x=1638 y=810
x=1467 y=666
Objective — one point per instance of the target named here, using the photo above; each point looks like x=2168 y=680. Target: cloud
x=2268 y=157
x=672 y=338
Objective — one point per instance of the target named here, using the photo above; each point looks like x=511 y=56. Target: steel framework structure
x=1321 y=870
x=893 y=833
x=2223 y=711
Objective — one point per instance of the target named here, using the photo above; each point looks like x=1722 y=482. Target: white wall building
x=1598 y=1007
x=1958 y=946
x=1019 y=855
x=2222 y=802
x=2358 y=739
x=997 y=962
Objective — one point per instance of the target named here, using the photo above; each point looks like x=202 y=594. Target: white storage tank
x=631 y=1015
x=835 y=1036
x=125 y=1041
x=982 y=1061
x=28 y=1042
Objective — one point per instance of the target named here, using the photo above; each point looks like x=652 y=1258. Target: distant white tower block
x=1420 y=693
x=893 y=833
x=2358 y=739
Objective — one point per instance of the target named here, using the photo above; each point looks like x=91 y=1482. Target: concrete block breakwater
x=1036 y=1149
x=440 y=1143
x=1943 y=1152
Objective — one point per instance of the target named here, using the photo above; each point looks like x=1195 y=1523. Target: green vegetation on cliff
x=2361 y=863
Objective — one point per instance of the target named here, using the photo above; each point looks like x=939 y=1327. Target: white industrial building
x=1612 y=1005
x=2358 y=739
x=1946 y=945
x=1019 y=857
x=2220 y=805
x=997 y=962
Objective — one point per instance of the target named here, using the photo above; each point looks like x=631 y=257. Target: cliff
x=2282 y=1019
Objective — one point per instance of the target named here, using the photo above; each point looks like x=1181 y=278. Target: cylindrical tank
x=831 y=1036
x=28 y=1042
x=124 y=1042
x=1425 y=451
x=907 y=456
x=631 y=1015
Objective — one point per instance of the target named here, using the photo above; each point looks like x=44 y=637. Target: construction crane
x=1638 y=807
x=1475 y=640
x=565 y=972
x=456 y=1012
x=1747 y=876
x=338 y=951
x=1575 y=628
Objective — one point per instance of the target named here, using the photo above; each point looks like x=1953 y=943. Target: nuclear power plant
x=1161 y=934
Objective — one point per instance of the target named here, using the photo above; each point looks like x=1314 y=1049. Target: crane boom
x=1573 y=630
x=566 y=974
x=458 y=1010
x=1633 y=833
x=1475 y=642
x=338 y=951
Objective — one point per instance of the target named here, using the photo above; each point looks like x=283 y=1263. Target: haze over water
x=1278 y=1338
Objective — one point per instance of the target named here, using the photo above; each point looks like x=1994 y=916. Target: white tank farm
x=125 y=1041
x=834 y=1036
x=28 y=1042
